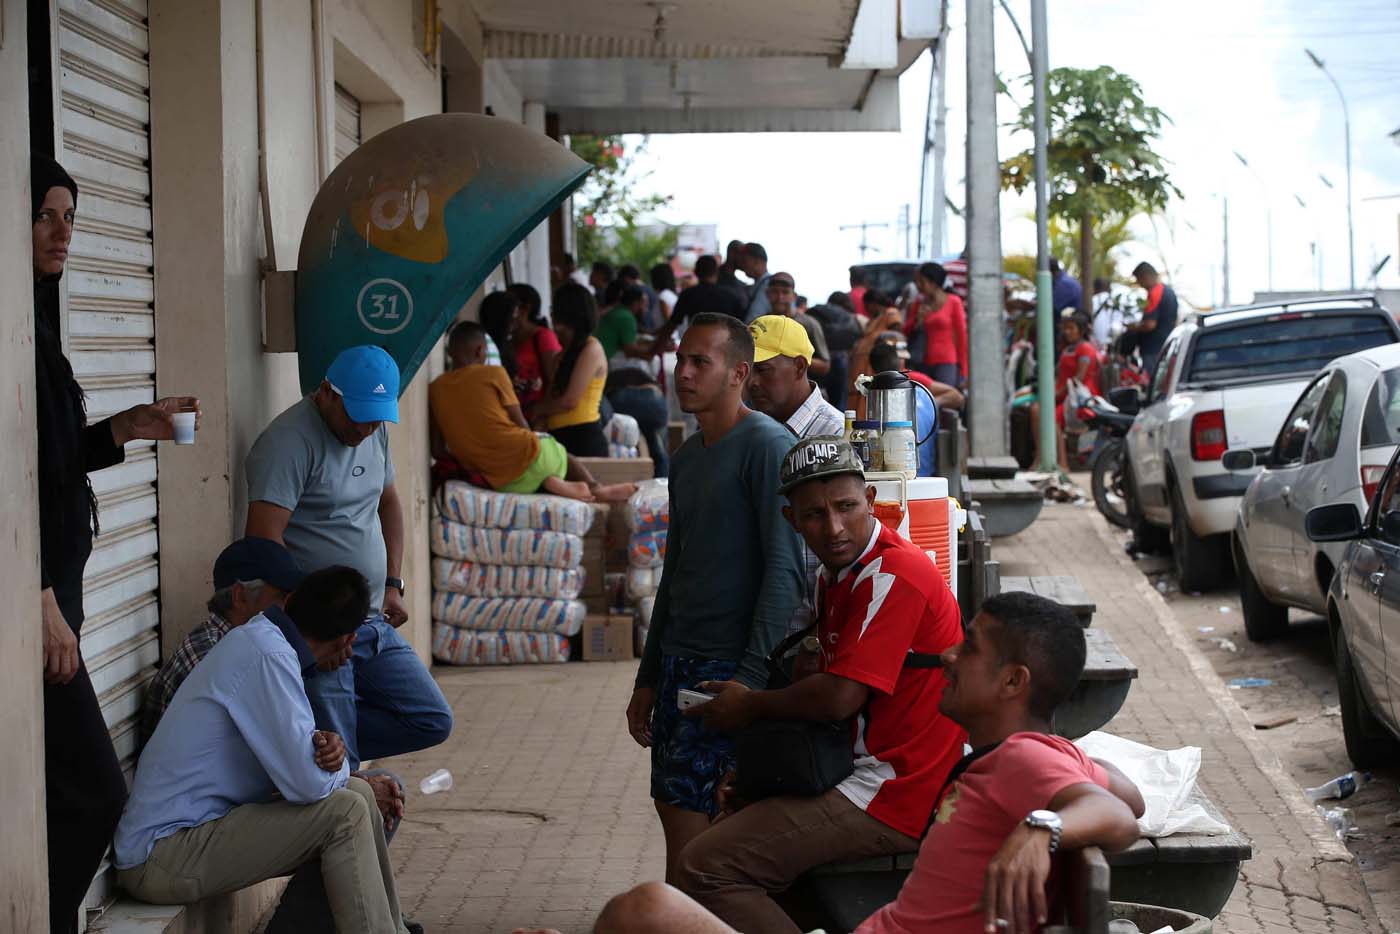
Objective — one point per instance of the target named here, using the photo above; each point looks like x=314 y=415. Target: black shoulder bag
x=798 y=757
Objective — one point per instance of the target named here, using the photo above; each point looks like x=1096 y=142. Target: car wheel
x=1200 y=562
x=1368 y=742
x=1263 y=620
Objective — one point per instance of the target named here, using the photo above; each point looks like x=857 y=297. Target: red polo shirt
x=890 y=602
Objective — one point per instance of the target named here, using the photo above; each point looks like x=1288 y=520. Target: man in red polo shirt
x=879 y=599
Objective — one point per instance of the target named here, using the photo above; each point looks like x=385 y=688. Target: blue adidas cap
x=367 y=378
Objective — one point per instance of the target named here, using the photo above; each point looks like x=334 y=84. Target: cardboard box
x=596 y=603
x=618 y=469
x=601 y=513
x=594 y=578
x=607 y=638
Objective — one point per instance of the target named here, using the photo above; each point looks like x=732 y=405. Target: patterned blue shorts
x=687 y=760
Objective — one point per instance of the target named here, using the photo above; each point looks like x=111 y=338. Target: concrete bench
x=992 y=468
x=1102 y=689
x=1062 y=588
x=1007 y=506
x=1192 y=872
x=1188 y=873
x=234 y=913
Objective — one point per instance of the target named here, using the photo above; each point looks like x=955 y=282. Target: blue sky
x=1232 y=76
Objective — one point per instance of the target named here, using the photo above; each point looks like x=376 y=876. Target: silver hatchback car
x=1363 y=618
x=1333 y=447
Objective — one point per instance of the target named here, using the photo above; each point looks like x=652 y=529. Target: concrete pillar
x=24 y=890
x=988 y=425
x=537 y=259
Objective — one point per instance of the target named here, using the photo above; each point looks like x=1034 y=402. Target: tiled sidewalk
x=550 y=815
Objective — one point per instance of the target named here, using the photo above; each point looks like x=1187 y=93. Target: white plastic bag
x=1167 y=780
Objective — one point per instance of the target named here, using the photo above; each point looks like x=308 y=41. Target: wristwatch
x=1047 y=820
x=396 y=583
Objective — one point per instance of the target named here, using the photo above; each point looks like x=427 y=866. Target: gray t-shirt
x=332 y=490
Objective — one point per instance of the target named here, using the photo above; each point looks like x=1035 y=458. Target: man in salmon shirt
x=1019 y=797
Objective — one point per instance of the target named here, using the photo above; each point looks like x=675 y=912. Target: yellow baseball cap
x=779 y=336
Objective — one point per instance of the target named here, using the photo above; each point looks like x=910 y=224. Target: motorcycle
x=1109 y=459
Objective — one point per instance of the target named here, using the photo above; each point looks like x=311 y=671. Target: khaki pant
x=254 y=842
x=733 y=866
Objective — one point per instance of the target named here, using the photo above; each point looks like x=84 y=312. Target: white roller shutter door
x=347 y=123
x=105 y=123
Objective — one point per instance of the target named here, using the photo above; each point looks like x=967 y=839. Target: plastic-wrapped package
x=471 y=505
x=504 y=580
x=620 y=452
x=644 y=608
x=516 y=614
x=647 y=549
x=498 y=546
x=642 y=582
x=623 y=430
x=649 y=509
x=455 y=646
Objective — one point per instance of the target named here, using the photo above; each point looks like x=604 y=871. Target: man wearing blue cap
x=321 y=481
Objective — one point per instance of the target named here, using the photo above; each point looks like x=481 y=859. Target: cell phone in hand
x=686 y=698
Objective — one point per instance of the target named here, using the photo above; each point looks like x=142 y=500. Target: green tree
x=1100 y=155
x=609 y=212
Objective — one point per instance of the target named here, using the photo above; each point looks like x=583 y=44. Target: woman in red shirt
x=1079 y=361
x=536 y=348
x=941 y=317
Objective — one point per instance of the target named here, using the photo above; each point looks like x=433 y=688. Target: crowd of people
x=829 y=628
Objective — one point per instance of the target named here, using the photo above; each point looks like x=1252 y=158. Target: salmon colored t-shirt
x=468 y=406
x=975 y=816
x=1069 y=365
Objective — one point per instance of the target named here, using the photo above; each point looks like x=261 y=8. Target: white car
x=1333 y=447
x=1226 y=380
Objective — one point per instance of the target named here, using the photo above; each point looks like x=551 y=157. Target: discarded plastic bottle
x=1343 y=786
x=1340 y=820
x=441 y=780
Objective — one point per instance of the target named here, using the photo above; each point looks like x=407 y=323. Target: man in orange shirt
x=477 y=418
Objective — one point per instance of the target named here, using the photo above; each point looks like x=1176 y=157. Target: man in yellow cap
x=780 y=386
x=782 y=302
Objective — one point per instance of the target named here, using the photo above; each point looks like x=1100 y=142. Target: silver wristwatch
x=1047 y=820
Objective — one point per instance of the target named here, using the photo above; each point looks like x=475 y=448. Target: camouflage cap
x=818 y=458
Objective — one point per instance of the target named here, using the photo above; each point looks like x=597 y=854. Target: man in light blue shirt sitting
x=237 y=785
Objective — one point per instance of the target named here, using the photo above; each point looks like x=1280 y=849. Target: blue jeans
x=647 y=404
x=382 y=702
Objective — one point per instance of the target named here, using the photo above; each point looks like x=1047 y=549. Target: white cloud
x=1232 y=76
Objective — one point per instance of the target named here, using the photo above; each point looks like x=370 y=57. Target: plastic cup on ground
x=184 y=427
x=441 y=780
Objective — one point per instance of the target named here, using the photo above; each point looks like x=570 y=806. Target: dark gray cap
x=817 y=458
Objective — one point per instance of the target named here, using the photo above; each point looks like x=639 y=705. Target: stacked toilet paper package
x=506 y=575
x=624 y=436
x=647 y=517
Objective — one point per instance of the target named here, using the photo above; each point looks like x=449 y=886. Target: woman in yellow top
x=570 y=409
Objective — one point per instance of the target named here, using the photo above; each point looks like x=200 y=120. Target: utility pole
x=988 y=422
x=1044 y=289
x=863 y=227
x=902 y=230
x=937 y=232
x=1225 y=261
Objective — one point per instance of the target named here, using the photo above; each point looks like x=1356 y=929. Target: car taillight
x=1371 y=479
x=1208 y=435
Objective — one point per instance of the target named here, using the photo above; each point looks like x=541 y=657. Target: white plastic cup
x=441 y=780
x=184 y=427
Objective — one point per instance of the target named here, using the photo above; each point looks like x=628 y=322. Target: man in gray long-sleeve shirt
x=732 y=577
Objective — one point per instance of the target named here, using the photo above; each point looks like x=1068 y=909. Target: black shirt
x=708 y=296
x=1165 y=315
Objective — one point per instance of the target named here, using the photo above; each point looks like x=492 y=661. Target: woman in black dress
x=84 y=783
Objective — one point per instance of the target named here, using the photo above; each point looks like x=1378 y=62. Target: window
x=1327 y=423
x=1388 y=499
x=1380 y=422
x=1288 y=449
x=1162 y=376
x=1283 y=345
